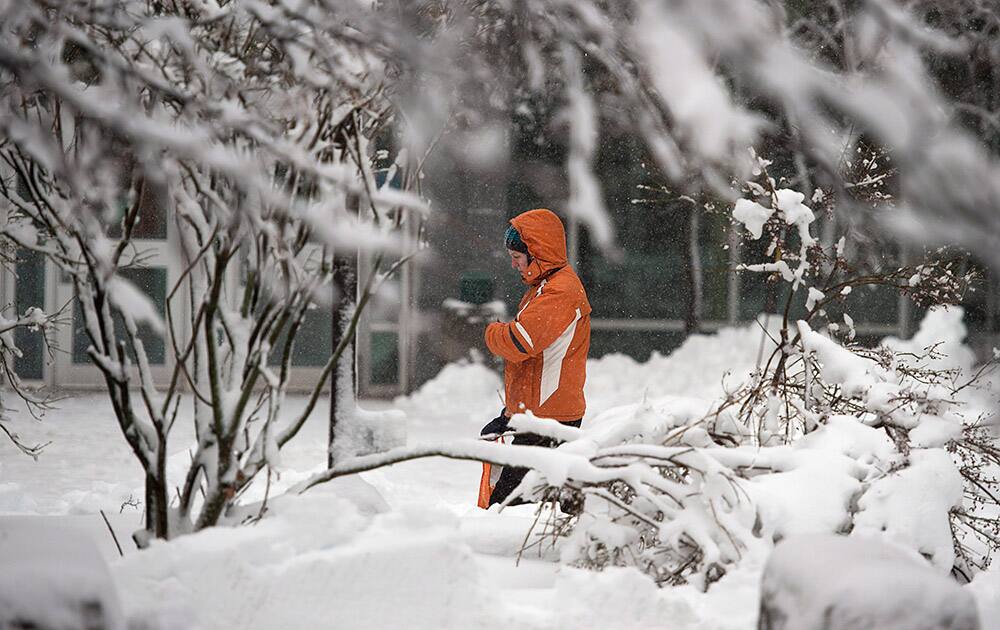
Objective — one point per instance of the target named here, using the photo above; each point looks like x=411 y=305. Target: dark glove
x=496 y=426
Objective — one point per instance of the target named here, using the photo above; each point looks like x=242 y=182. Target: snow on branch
x=130 y=299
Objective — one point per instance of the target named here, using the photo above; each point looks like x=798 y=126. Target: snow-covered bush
x=248 y=127
x=824 y=436
x=912 y=391
x=669 y=498
x=682 y=489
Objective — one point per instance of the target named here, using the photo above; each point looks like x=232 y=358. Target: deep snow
x=405 y=545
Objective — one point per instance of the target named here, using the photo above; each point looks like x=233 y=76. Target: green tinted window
x=153 y=282
x=152 y=220
x=638 y=344
x=384 y=358
x=29 y=291
x=313 y=342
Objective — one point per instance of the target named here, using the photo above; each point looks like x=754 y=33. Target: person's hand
x=496 y=426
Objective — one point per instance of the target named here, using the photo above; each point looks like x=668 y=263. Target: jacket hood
x=543 y=233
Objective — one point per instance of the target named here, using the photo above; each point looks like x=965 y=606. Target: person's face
x=518 y=260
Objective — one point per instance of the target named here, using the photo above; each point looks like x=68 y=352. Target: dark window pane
x=713 y=233
x=313 y=342
x=153 y=282
x=29 y=291
x=981 y=303
x=871 y=305
x=638 y=344
x=384 y=358
x=152 y=222
x=652 y=279
x=152 y=216
x=874 y=304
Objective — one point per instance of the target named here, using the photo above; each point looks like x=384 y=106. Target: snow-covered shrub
x=914 y=392
x=682 y=489
x=668 y=500
x=824 y=436
x=248 y=127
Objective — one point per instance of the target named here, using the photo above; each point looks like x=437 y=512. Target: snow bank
x=986 y=589
x=840 y=583
x=314 y=561
x=942 y=328
x=471 y=387
x=103 y=495
x=617 y=597
x=704 y=366
x=54 y=577
x=14 y=500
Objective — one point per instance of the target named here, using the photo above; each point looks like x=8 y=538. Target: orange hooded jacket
x=545 y=347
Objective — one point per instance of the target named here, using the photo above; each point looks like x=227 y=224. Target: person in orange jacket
x=545 y=347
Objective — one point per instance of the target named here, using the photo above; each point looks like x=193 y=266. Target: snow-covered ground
x=428 y=559
x=403 y=546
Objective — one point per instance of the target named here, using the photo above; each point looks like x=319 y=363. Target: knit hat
x=512 y=240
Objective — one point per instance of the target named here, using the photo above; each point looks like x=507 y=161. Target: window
x=152 y=221
x=29 y=291
x=638 y=344
x=313 y=342
x=153 y=282
x=384 y=358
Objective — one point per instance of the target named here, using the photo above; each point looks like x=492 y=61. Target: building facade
x=673 y=274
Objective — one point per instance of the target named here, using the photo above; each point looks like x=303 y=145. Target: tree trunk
x=692 y=319
x=345 y=278
x=156 y=507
